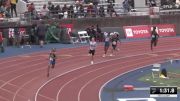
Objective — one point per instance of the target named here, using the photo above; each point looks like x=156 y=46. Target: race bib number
x=114 y=43
x=153 y=36
x=51 y=59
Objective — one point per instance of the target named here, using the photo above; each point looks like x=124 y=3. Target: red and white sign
x=144 y=31
x=166 y=29
x=141 y=31
x=69 y=28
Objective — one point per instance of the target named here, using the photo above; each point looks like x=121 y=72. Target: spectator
x=50 y=5
x=126 y=6
x=31 y=8
x=81 y=12
x=13 y=7
x=152 y=3
x=58 y=11
x=33 y=11
x=71 y=12
x=2 y=11
x=41 y=30
x=44 y=12
x=1 y=42
x=90 y=10
x=76 y=10
x=110 y=9
x=8 y=7
x=101 y=11
x=65 y=11
x=131 y=4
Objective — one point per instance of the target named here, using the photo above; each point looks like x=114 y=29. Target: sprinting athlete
x=92 y=49
x=114 y=40
x=154 y=38
x=106 y=43
x=52 y=60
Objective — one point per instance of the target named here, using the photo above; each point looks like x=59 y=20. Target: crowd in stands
x=78 y=10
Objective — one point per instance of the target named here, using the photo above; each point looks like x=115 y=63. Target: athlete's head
x=53 y=50
x=154 y=27
x=92 y=39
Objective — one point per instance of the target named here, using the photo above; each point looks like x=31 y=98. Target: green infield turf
x=172 y=80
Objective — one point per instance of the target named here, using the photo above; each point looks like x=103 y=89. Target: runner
x=106 y=43
x=92 y=48
x=154 y=38
x=52 y=60
x=114 y=40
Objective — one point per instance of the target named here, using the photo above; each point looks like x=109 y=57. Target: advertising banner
x=144 y=31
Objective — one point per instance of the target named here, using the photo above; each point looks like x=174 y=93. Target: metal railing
x=96 y=13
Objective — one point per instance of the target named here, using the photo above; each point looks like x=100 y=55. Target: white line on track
x=57 y=98
x=23 y=86
x=121 y=75
x=79 y=94
x=96 y=63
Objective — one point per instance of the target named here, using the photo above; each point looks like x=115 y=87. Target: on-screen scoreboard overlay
x=163 y=91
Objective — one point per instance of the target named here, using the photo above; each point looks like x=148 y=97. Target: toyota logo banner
x=144 y=31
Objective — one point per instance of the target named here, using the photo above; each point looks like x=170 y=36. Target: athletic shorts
x=106 y=44
x=52 y=62
x=114 y=46
x=92 y=52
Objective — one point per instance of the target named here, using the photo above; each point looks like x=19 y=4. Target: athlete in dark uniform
x=52 y=60
x=114 y=40
x=154 y=38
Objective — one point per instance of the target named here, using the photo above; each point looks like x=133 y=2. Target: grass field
x=173 y=80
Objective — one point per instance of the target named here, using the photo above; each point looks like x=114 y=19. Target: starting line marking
x=137 y=99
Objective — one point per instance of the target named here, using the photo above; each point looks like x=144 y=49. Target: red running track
x=23 y=78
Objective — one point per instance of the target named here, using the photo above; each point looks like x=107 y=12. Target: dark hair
x=154 y=27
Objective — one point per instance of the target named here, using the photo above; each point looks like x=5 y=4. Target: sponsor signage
x=69 y=28
x=144 y=31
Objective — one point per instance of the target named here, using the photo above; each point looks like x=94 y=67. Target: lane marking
x=64 y=85
x=96 y=63
x=101 y=89
x=136 y=99
x=79 y=94
x=16 y=93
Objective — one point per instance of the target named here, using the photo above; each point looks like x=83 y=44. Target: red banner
x=68 y=26
x=166 y=29
x=144 y=31
x=141 y=31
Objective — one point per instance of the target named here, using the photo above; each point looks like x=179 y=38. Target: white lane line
x=22 y=87
x=96 y=63
x=121 y=75
x=83 y=87
x=57 y=97
x=7 y=82
x=20 y=63
x=43 y=52
x=11 y=92
x=25 y=67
